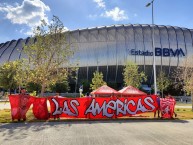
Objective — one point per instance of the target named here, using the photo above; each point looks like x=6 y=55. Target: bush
x=60 y=87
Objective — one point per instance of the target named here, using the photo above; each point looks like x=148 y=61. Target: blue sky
x=18 y=17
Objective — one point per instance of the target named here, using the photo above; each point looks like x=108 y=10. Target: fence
x=183 y=98
x=69 y=95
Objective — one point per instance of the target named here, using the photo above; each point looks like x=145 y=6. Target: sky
x=19 y=17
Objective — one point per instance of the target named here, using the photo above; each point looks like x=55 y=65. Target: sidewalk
x=5 y=105
x=189 y=107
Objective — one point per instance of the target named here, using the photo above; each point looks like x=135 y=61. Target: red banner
x=101 y=107
x=40 y=109
x=19 y=106
x=167 y=107
x=88 y=107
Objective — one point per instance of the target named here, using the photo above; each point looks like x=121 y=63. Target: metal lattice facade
x=108 y=48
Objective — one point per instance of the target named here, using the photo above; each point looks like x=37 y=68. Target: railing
x=183 y=98
x=71 y=95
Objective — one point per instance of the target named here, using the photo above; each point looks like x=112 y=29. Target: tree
x=184 y=75
x=97 y=80
x=12 y=75
x=86 y=85
x=60 y=87
x=131 y=75
x=49 y=54
x=21 y=73
x=162 y=82
x=33 y=87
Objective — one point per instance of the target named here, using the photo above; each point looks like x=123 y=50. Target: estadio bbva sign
x=165 y=52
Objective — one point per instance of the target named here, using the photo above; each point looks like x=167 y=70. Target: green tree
x=97 y=80
x=184 y=75
x=131 y=75
x=21 y=73
x=12 y=75
x=60 y=87
x=31 y=87
x=86 y=85
x=162 y=82
x=49 y=54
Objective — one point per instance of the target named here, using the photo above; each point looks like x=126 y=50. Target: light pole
x=154 y=66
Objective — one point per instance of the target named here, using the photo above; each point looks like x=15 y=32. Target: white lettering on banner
x=119 y=107
x=167 y=109
x=140 y=107
x=57 y=109
x=146 y=100
x=74 y=104
x=95 y=109
x=127 y=107
x=113 y=107
x=65 y=109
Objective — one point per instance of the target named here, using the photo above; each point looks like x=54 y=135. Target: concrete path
x=189 y=107
x=8 y=106
x=98 y=133
x=4 y=105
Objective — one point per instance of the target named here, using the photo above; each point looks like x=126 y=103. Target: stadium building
x=107 y=49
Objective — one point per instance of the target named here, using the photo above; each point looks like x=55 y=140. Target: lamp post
x=153 y=44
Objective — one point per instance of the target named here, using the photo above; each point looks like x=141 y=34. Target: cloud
x=116 y=14
x=100 y=3
x=92 y=16
x=30 y=31
x=30 y=12
x=20 y=31
x=135 y=15
x=65 y=29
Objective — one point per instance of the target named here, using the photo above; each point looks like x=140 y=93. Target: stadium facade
x=107 y=49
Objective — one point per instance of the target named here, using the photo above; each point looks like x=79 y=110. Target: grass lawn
x=5 y=116
x=183 y=114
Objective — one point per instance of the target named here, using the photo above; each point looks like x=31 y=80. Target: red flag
x=167 y=107
x=20 y=104
x=40 y=109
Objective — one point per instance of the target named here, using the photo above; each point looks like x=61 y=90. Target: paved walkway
x=183 y=106
x=98 y=133
x=4 y=105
